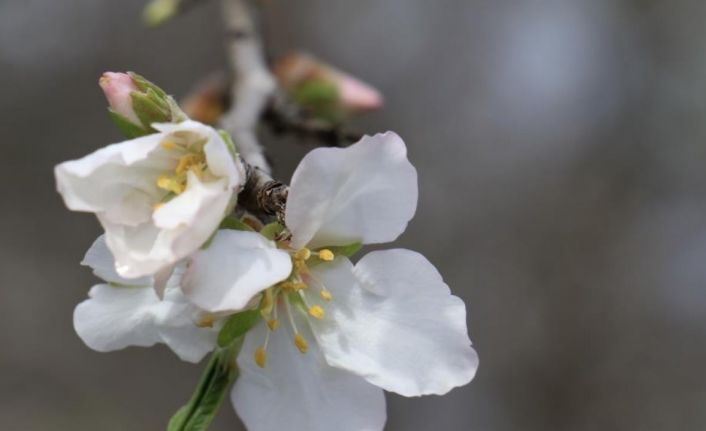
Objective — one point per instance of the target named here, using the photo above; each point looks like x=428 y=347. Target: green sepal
x=127 y=127
x=321 y=98
x=270 y=231
x=237 y=325
x=346 y=250
x=143 y=84
x=216 y=379
x=147 y=110
x=235 y=223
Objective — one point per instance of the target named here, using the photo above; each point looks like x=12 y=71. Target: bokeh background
x=561 y=147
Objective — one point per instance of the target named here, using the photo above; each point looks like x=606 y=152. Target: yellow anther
x=206 y=321
x=326 y=255
x=301 y=343
x=273 y=324
x=325 y=295
x=303 y=254
x=170 y=184
x=168 y=145
x=261 y=357
x=317 y=311
x=189 y=161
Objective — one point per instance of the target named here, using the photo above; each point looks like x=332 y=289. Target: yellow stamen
x=261 y=357
x=300 y=267
x=317 y=311
x=326 y=255
x=325 y=295
x=170 y=184
x=293 y=286
x=206 y=321
x=273 y=324
x=303 y=254
x=168 y=145
x=157 y=206
x=268 y=303
x=301 y=343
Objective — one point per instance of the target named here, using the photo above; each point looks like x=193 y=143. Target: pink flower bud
x=354 y=95
x=118 y=88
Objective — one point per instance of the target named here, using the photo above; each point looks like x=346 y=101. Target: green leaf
x=127 y=127
x=143 y=84
x=237 y=325
x=346 y=250
x=235 y=223
x=270 y=231
x=219 y=374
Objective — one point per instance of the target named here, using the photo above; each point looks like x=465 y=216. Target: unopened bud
x=136 y=103
x=310 y=81
x=117 y=88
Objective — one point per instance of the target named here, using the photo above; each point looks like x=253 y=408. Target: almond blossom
x=336 y=334
x=158 y=197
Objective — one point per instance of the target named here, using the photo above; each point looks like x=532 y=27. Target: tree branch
x=263 y=196
x=253 y=84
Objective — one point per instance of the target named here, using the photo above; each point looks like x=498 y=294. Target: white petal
x=100 y=260
x=300 y=391
x=181 y=226
x=118 y=180
x=394 y=322
x=117 y=317
x=235 y=267
x=114 y=318
x=366 y=192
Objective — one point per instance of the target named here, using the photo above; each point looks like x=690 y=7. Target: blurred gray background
x=561 y=147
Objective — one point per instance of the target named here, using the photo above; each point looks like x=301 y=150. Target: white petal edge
x=117 y=317
x=236 y=266
x=101 y=261
x=298 y=391
x=394 y=322
x=366 y=192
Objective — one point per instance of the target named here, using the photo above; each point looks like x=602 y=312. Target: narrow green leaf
x=127 y=127
x=237 y=325
x=235 y=223
x=270 y=231
x=219 y=374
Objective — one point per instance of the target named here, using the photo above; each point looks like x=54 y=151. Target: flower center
x=191 y=158
x=303 y=292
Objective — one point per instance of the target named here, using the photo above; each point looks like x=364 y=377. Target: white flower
x=389 y=322
x=158 y=197
x=126 y=312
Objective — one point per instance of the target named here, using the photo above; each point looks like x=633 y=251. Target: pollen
x=317 y=311
x=301 y=343
x=168 y=145
x=260 y=357
x=303 y=254
x=325 y=295
x=273 y=324
x=171 y=184
x=326 y=255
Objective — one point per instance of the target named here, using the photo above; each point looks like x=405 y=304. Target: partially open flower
x=158 y=197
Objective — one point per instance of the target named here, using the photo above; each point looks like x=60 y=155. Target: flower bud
x=118 y=88
x=322 y=88
x=136 y=103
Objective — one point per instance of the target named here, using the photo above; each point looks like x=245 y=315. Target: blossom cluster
x=317 y=337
